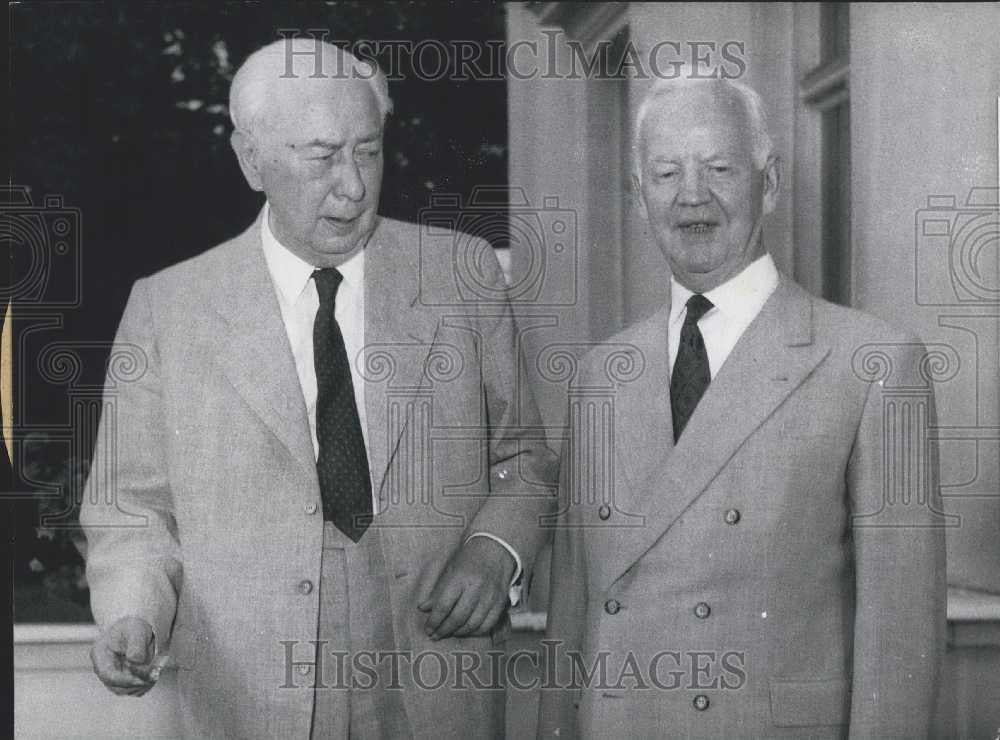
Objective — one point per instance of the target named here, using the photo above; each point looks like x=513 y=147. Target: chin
x=701 y=267
x=335 y=255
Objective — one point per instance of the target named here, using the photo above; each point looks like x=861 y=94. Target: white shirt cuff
x=514 y=594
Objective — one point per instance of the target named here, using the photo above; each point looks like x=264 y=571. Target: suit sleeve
x=899 y=553
x=567 y=608
x=522 y=468
x=134 y=563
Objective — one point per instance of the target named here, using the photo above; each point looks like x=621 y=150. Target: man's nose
x=347 y=182
x=694 y=189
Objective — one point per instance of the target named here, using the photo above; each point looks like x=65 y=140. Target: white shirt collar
x=739 y=296
x=291 y=273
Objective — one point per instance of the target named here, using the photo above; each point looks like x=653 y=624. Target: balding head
x=295 y=68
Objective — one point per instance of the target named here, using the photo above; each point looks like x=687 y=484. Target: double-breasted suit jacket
x=203 y=512
x=777 y=573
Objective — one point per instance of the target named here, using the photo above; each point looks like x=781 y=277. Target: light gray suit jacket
x=785 y=559
x=199 y=509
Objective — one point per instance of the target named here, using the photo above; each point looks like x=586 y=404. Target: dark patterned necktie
x=691 y=375
x=342 y=464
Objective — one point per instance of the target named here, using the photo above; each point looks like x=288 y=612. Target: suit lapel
x=644 y=434
x=773 y=357
x=256 y=355
x=641 y=442
x=399 y=334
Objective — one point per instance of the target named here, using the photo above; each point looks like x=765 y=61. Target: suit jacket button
x=604 y=512
x=311 y=507
x=305 y=587
x=701 y=702
x=702 y=610
x=732 y=516
x=611 y=606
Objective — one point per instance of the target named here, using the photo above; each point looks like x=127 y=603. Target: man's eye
x=666 y=175
x=368 y=153
x=721 y=169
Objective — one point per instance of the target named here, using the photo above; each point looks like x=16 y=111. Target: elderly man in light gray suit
x=323 y=488
x=768 y=559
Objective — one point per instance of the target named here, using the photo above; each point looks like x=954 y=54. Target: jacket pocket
x=806 y=703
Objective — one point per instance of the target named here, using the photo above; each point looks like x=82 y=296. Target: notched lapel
x=256 y=356
x=773 y=357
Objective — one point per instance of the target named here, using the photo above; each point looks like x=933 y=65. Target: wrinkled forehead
x=703 y=116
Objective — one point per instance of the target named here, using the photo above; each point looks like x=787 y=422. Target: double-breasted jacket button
x=611 y=606
x=700 y=702
x=311 y=508
x=732 y=516
x=305 y=587
x=604 y=512
x=702 y=610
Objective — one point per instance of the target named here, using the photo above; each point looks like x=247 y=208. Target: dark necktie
x=342 y=464
x=691 y=376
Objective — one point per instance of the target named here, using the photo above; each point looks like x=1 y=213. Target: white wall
x=57 y=695
x=924 y=87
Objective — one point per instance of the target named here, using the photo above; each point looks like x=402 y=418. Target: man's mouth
x=697 y=227
x=339 y=222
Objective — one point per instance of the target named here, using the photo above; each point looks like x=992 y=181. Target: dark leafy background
x=120 y=108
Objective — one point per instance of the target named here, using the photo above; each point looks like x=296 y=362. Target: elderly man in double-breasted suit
x=766 y=558
x=319 y=489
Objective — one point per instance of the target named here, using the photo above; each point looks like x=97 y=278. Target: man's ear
x=248 y=154
x=637 y=191
x=772 y=183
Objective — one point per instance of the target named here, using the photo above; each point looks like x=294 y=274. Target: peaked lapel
x=643 y=425
x=774 y=356
x=256 y=355
x=642 y=440
x=399 y=334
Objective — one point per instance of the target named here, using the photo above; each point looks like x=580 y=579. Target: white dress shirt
x=299 y=302
x=736 y=304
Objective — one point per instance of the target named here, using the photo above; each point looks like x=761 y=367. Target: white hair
x=761 y=146
x=288 y=58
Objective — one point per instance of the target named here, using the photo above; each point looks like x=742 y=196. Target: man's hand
x=471 y=593
x=122 y=656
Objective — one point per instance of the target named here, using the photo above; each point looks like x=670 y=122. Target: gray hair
x=760 y=140
x=286 y=58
